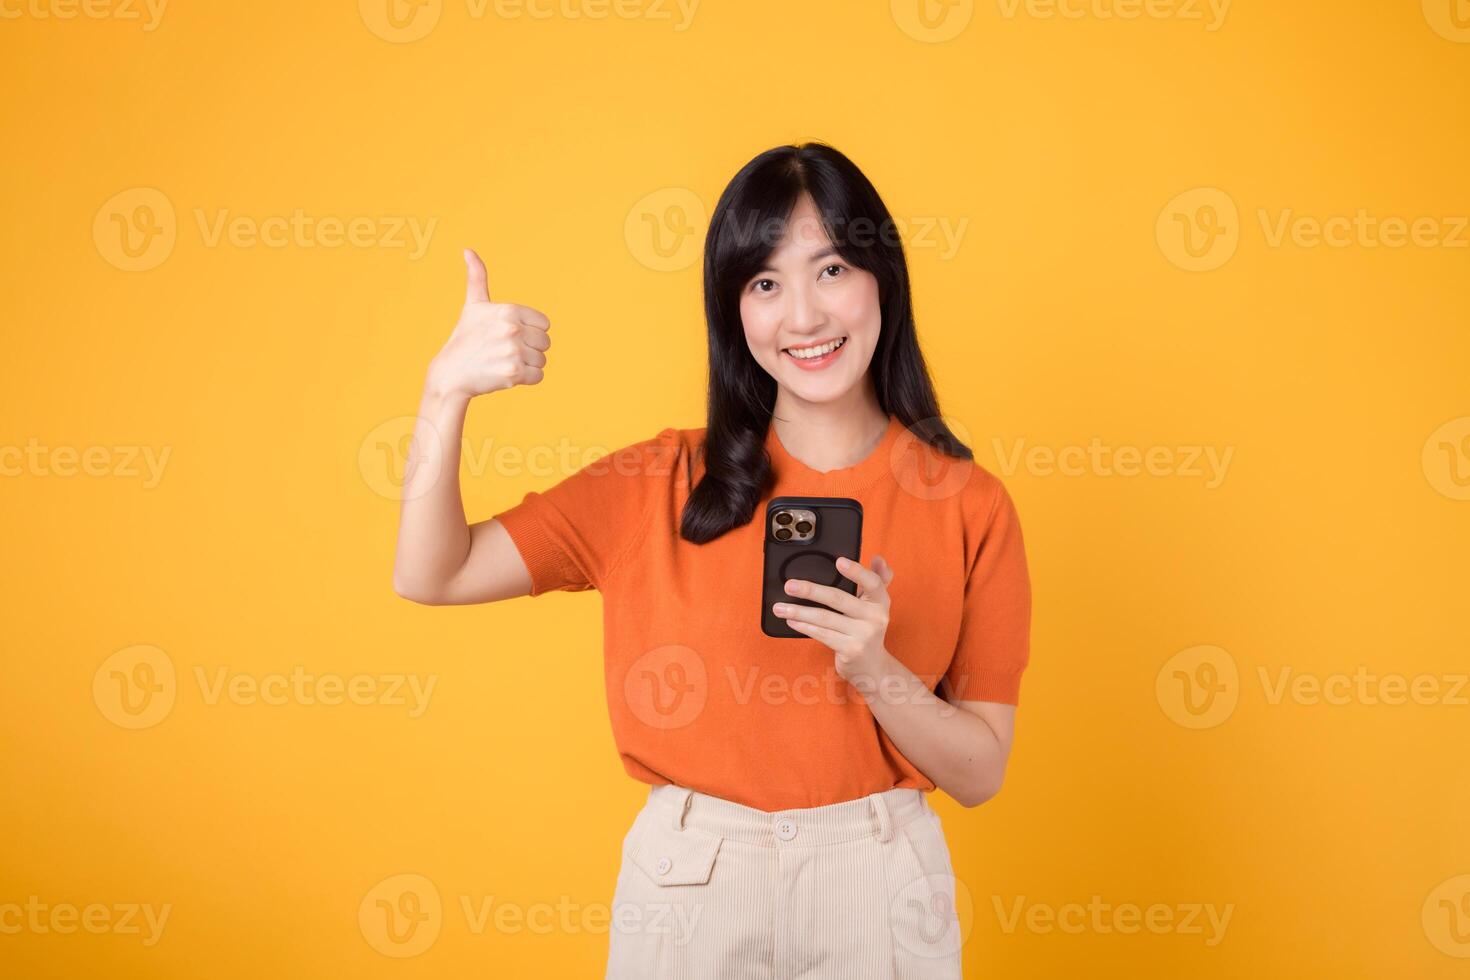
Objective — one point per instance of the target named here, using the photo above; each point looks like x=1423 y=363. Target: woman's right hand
x=441 y=559
x=493 y=346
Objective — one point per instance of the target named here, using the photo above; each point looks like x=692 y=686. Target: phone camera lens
x=783 y=518
x=782 y=534
x=803 y=527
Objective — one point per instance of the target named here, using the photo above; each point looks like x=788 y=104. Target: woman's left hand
x=855 y=625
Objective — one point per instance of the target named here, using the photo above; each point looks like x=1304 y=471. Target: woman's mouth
x=816 y=356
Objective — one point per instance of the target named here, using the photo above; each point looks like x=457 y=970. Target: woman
x=786 y=830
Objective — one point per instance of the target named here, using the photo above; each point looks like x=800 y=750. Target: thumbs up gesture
x=493 y=346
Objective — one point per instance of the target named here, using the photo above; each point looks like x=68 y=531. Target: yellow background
x=272 y=375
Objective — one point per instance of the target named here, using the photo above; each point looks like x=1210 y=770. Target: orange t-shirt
x=697 y=694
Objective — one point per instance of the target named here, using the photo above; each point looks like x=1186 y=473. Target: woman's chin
x=816 y=388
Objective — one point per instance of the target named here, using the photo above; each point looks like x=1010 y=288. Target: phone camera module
x=796 y=524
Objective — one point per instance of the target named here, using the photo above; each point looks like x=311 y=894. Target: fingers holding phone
x=854 y=627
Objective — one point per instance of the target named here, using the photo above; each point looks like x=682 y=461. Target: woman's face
x=804 y=301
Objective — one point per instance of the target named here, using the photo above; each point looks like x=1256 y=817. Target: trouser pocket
x=670 y=856
x=662 y=898
x=924 y=911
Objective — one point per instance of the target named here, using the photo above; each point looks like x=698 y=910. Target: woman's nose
x=805 y=311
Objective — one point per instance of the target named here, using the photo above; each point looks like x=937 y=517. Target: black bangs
x=752 y=216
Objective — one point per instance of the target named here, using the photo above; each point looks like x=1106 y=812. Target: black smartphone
x=803 y=538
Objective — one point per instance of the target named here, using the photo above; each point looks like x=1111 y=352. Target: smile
x=816 y=350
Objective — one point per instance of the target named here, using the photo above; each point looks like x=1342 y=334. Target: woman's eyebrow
x=827 y=252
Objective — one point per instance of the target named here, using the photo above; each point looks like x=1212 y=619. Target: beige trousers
x=714 y=890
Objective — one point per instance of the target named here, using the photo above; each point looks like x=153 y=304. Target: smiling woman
x=801 y=251
x=786 y=813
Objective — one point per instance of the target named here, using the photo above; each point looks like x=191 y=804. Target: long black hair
x=743 y=232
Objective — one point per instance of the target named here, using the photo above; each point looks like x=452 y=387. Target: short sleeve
x=994 y=644
x=572 y=534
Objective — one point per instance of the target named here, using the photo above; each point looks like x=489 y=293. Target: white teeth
x=802 y=353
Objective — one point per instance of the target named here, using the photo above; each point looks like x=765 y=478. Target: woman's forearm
x=955 y=748
x=493 y=346
x=433 y=534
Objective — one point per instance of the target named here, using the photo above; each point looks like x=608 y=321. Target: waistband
x=874 y=815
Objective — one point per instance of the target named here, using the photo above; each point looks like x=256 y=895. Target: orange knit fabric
x=697 y=694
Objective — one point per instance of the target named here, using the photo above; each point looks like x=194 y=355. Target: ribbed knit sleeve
x=574 y=533
x=994 y=644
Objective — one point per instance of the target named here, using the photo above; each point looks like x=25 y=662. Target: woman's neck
x=830 y=435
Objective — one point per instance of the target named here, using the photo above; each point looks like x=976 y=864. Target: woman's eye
x=757 y=285
x=830 y=268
